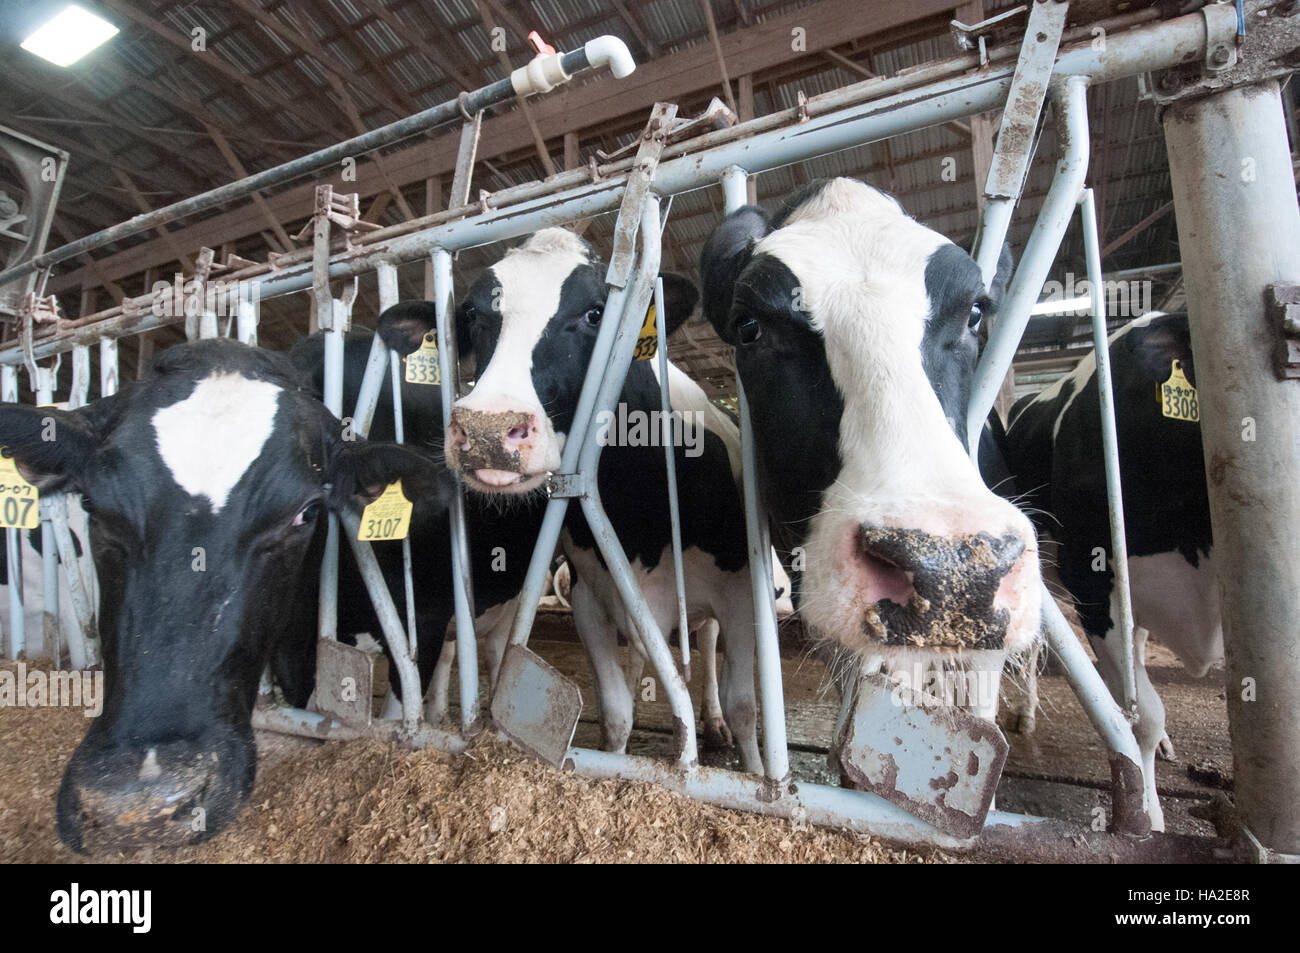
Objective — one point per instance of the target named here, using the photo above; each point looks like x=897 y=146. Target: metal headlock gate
x=1226 y=101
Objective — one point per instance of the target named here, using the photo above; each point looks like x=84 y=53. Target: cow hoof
x=1165 y=749
x=716 y=734
x=1022 y=723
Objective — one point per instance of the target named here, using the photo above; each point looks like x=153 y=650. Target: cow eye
x=593 y=316
x=748 y=331
x=976 y=316
x=308 y=514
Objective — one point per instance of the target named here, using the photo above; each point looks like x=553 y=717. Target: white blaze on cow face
x=530 y=279
x=210 y=439
x=860 y=262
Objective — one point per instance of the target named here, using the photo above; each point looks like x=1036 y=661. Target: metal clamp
x=566 y=485
x=1282 y=302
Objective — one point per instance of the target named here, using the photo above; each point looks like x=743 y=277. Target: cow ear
x=361 y=470
x=404 y=325
x=1156 y=345
x=725 y=256
x=51 y=446
x=680 y=298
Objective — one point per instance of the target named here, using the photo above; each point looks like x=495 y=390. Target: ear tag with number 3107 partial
x=647 y=340
x=1178 y=398
x=18 y=498
x=388 y=517
x=422 y=364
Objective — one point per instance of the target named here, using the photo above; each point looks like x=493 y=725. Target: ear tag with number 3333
x=422 y=364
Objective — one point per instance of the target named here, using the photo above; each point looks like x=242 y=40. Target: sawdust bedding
x=367 y=802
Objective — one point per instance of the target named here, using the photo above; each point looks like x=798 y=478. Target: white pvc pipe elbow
x=612 y=52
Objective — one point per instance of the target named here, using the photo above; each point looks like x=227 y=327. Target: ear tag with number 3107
x=1178 y=399
x=388 y=517
x=422 y=364
x=18 y=498
x=647 y=341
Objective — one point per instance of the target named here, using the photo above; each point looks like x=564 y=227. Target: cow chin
x=170 y=794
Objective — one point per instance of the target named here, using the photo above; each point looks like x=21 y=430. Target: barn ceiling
x=192 y=94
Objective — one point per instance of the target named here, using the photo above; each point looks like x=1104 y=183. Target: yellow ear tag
x=647 y=342
x=422 y=365
x=1178 y=399
x=18 y=498
x=388 y=517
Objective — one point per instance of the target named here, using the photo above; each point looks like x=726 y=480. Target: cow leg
x=438 y=703
x=633 y=670
x=738 y=695
x=1150 y=727
x=716 y=733
x=599 y=637
x=1020 y=685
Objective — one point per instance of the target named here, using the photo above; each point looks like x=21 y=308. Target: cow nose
x=924 y=589
x=491 y=440
x=169 y=795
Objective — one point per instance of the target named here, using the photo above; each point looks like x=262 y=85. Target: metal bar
x=670 y=461
x=44 y=386
x=390 y=622
x=461 y=568
x=1110 y=452
x=1235 y=199
x=776 y=755
x=14 y=542
x=399 y=436
x=600 y=51
x=1040 y=251
x=328 y=610
x=246 y=319
x=310 y=724
x=1129 y=799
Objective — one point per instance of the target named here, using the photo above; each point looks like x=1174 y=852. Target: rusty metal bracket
x=1029 y=88
x=1268 y=49
x=567 y=485
x=1282 y=303
x=345 y=682
x=535 y=706
x=970 y=36
x=652 y=142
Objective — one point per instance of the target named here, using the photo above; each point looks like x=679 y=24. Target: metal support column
x=1239 y=230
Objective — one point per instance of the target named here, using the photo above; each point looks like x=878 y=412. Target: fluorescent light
x=69 y=36
x=1068 y=306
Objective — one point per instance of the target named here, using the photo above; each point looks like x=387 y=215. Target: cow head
x=855 y=329
x=205 y=484
x=531 y=321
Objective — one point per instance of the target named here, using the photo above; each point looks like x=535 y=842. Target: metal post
x=776 y=755
x=670 y=462
x=328 y=618
x=1040 y=251
x=462 y=571
x=1239 y=231
x=1110 y=451
x=14 y=541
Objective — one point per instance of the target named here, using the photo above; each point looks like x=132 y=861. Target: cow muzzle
x=167 y=795
x=933 y=591
x=499 y=451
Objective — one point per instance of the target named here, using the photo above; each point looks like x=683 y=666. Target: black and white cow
x=531 y=322
x=855 y=329
x=500 y=542
x=205 y=483
x=1054 y=449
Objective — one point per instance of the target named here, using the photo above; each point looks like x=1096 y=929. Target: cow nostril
x=519 y=432
x=456 y=433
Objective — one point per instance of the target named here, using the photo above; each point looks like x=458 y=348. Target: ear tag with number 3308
x=18 y=498
x=647 y=341
x=1178 y=398
x=388 y=517
x=422 y=364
